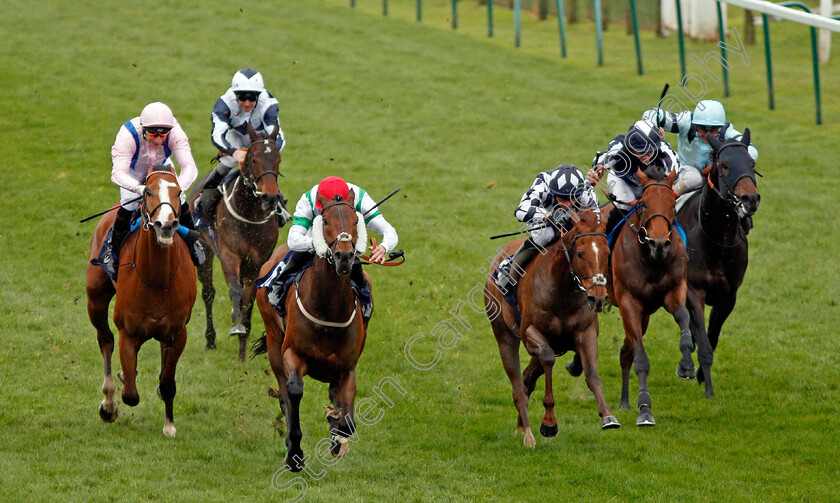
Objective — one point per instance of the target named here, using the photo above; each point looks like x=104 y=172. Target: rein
x=643 y=226
x=315 y=320
x=228 y=197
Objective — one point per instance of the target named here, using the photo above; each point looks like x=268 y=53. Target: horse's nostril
x=590 y=299
x=157 y=225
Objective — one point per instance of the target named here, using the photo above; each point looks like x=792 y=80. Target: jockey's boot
x=122 y=227
x=194 y=245
x=746 y=224
x=511 y=270
x=186 y=218
x=357 y=276
x=613 y=220
x=680 y=188
x=210 y=194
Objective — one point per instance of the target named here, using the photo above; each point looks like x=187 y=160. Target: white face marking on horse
x=267 y=149
x=596 y=250
x=163 y=195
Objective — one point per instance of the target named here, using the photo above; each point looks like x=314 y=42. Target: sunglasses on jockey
x=157 y=131
x=247 y=96
x=709 y=129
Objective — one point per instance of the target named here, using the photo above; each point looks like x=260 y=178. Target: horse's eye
x=580 y=255
x=148 y=192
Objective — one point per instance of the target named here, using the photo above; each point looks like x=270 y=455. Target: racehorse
x=246 y=229
x=648 y=270
x=560 y=293
x=155 y=294
x=718 y=242
x=323 y=332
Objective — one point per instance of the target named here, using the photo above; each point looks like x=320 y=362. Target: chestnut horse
x=155 y=294
x=246 y=228
x=718 y=242
x=560 y=294
x=648 y=266
x=323 y=332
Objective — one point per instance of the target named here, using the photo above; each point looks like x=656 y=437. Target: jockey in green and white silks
x=695 y=153
x=300 y=239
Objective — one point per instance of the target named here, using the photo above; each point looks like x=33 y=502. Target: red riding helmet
x=332 y=186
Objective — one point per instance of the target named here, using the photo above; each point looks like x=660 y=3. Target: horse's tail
x=259 y=347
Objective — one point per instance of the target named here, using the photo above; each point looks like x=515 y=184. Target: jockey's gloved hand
x=139 y=189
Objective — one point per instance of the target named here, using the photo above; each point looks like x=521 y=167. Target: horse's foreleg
x=98 y=313
x=170 y=353
x=295 y=371
x=631 y=317
x=718 y=315
x=231 y=267
x=509 y=351
x=128 y=362
x=707 y=345
x=249 y=292
x=345 y=427
x=208 y=294
x=587 y=349
x=537 y=345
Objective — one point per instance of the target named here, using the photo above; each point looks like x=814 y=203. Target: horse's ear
x=276 y=131
x=321 y=200
x=714 y=142
x=351 y=198
x=252 y=133
x=669 y=179
x=643 y=177
x=746 y=138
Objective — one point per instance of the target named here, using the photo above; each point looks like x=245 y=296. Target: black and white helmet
x=247 y=79
x=642 y=138
x=565 y=181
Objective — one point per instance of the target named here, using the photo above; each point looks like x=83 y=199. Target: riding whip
x=109 y=209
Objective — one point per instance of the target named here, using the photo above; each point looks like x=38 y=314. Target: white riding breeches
x=622 y=190
x=690 y=176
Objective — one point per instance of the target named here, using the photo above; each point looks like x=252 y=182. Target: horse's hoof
x=549 y=431
x=294 y=465
x=169 y=430
x=685 y=373
x=645 y=418
x=210 y=345
x=106 y=416
x=131 y=401
x=574 y=368
x=609 y=423
x=624 y=404
x=238 y=329
x=710 y=394
x=529 y=440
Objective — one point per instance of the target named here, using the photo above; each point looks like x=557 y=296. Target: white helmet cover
x=709 y=113
x=157 y=114
x=247 y=79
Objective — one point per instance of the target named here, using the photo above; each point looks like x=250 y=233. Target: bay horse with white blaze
x=560 y=294
x=648 y=265
x=716 y=237
x=323 y=332
x=155 y=294
x=245 y=232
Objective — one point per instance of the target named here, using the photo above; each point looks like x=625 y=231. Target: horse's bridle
x=728 y=193
x=343 y=236
x=147 y=215
x=598 y=279
x=644 y=221
x=249 y=180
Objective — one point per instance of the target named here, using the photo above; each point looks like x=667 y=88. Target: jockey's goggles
x=157 y=131
x=247 y=96
x=709 y=129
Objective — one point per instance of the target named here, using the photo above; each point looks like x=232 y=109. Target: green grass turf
x=462 y=123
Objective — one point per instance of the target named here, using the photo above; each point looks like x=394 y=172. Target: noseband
x=643 y=239
x=598 y=279
x=147 y=215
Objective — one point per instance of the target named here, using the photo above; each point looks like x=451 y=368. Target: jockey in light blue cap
x=695 y=153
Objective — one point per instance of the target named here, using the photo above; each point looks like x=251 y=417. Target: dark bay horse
x=323 y=332
x=718 y=242
x=560 y=294
x=155 y=294
x=648 y=271
x=245 y=231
